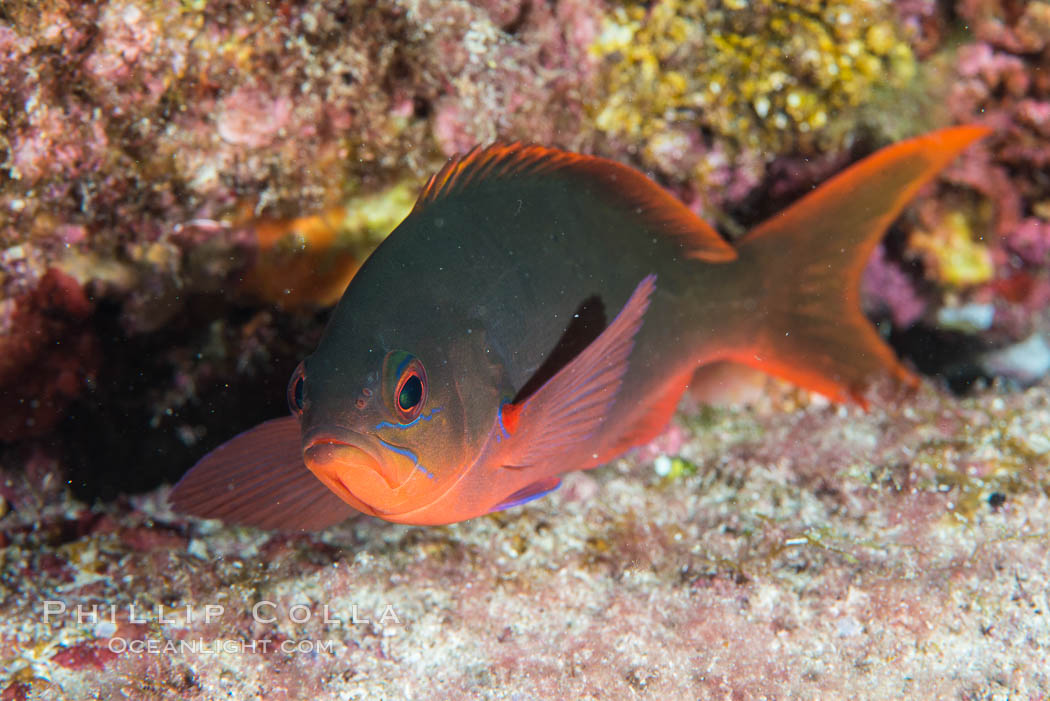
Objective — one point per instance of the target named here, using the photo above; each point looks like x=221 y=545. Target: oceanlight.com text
x=201 y=646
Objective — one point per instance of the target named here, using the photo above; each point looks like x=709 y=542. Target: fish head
x=391 y=425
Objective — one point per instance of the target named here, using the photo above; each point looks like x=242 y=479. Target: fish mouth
x=348 y=468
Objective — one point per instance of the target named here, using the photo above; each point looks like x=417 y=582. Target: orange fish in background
x=315 y=271
x=540 y=312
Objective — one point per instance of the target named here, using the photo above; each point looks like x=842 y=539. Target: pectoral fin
x=566 y=412
x=258 y=479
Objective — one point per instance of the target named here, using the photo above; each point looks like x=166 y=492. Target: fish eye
x=411 y=393
x=406 y=381
x=297 y=390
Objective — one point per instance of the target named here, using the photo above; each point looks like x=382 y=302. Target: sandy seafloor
x=816 y=552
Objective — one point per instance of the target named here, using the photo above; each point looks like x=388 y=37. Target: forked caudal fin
x=809 y=260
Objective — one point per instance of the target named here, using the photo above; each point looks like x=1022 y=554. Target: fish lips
x=347 y=464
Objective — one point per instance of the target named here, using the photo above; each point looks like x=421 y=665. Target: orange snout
x=351 y=471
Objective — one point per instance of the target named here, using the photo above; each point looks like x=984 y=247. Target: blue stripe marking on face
x=403 y=364
x=499 y=422
x=410 y=424
x=408 y=454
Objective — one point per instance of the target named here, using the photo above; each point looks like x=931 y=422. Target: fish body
x=541 y=312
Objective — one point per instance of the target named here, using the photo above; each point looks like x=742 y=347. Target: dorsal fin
x=630 y=188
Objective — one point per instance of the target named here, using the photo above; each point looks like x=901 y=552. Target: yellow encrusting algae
x=765 y=74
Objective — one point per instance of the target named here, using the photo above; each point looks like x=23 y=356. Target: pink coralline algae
x=1005 y=78
x=982 y=234
x=1020 y=28
x=250 y=117
x=47 y=354
x=127 y=121
x=900 y=551
x=84 y=655
x=1030 y=241
x=887 y=289
x=485 y=98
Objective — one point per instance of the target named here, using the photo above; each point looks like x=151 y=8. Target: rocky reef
x=186 y=186
x=792 y=549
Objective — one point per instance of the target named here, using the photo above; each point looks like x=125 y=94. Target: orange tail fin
x=809 y=260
